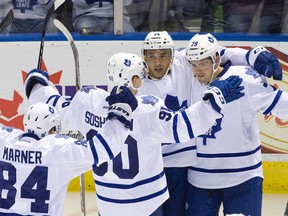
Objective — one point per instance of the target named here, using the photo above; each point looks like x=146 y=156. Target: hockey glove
x=224 y=91
x=33 y=77
x=264 y=62
x=121 y=105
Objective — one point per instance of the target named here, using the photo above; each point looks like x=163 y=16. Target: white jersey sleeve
x=175 y=126
x=36 y=9
x=237 y=56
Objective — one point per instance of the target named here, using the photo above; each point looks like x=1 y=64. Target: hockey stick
x=69 y=37
x=55 y=5
x=7 y=20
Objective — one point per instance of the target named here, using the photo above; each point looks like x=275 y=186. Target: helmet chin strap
x=132 y=86
x=214 y=70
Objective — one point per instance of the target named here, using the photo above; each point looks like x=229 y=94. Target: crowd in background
x=96 y=16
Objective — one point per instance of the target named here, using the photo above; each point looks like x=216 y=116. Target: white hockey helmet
x=202 y=46
x=122 y=67
x=40 y=118
x=156 y=40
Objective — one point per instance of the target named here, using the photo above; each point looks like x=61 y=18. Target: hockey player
x=169 y=77
x=97 y=16
x=36 y=165
x=134 y=182
x=29 y=16
x=229 y=167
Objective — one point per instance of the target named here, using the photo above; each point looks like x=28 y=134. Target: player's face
x=202 y=69
x=158 y=62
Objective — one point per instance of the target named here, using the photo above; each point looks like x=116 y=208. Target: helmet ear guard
x=40 y=118
x=122 y=67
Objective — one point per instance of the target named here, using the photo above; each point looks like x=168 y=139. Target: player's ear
x=136 y=82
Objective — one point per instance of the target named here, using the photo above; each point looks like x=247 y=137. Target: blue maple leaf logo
x=172 y=102
x=210 y=134
x=23 y=5
x=149 y=99
x=251 y=72
x=127 y=62
x=211 y=39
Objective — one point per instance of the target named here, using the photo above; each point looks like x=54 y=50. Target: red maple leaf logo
x=54 y=78
x=9 y=111
x=9 y=115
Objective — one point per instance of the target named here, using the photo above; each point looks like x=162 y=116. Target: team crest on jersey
x=172 y=102
x=24 y=5
x=87 y=89
x=149 y=99
x=251 y=72
x=210 y=134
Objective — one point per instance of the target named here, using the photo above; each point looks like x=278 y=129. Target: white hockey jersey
x=175 y=90
x=134 y=182
x=98 y=8
x=34 y=175
x=230 y=152
x=33 y=9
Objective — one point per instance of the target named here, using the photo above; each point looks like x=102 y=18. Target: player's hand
x=33 y=77
x=224 y=91
x=264 y=62
x=121 y=105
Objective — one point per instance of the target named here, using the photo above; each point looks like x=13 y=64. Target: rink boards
x=19 y=54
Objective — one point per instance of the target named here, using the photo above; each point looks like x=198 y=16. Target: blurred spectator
x=149 y=15
x=96 y=16
x=175 y=17
x=139 y=11
x=29 y=16
x=271 y=16
x=209 y=20
x=239 y=15
x=285 y=18
x=257 y=16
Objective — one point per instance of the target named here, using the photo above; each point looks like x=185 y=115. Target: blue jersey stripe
x=223 y=155
x=55 y=97
x=235 y=170
x=94 y=152
x=175 y=121
x=139 y=199
x=14 y=214
x=180 y=151
x=189 y=127
x=276 y=99
x=136 y=184
x=106 y=146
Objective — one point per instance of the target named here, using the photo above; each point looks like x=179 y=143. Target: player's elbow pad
x=34 y=77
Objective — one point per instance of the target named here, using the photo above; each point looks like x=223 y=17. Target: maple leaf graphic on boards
x=9 y=115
